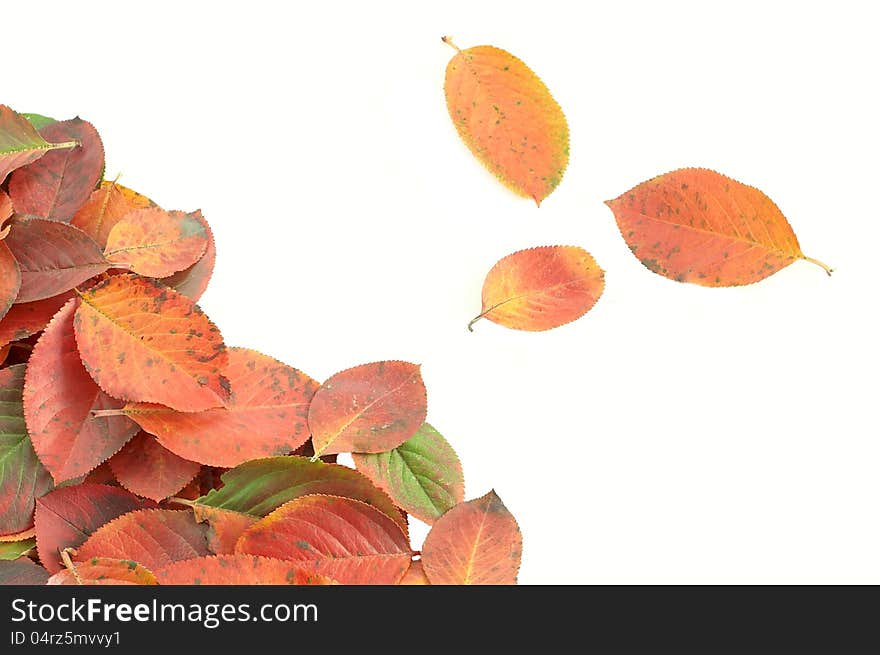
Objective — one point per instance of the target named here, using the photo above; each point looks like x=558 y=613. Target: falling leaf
x=26 y=319
x=53 y=257
x=506 y=116
x=10 y=550
x=148 y=469
x=477 y=543
x=59 y=398
x=105 y=571
x=66 y=517
x=144 y=342
x=22 y=478
x=344 y=539
x=238 y=569
x=194 y=281
x=60 y=182
x=423 y=474
x=541 y=288
x=696 y=225
x=266 y=414
x=10 y=279
x=415 y=575
x=105 y=207
x=256 y=488
x=20 y=143
x=22 y=572
x=154 y=538
x=157 y=243
x=368 y=409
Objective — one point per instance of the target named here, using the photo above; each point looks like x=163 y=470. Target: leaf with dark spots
x=104 y=571
x=238 y=569
x=193 y=281
x=106 y=206
x=59 y=183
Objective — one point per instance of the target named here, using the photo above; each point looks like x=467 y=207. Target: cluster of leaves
x=137 y=448
x=690 y=225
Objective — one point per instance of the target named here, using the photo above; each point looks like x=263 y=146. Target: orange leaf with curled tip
x=477 y=542
x=266 y=414
x=147 y=468
x=344 y=539
x=105 y=207
x=696 y=225
x=238 y=569
x=368 y=409
x=541 y=288
x=144 y=342
x=104 y=571
x=155 y=242
x=506 y=116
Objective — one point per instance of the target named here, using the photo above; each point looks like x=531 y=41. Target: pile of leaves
x=137 y=448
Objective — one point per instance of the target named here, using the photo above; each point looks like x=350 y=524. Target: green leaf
x=20 y=144
x=14 y=549
x=423 y=475
x=22 y=478
x=39 y=121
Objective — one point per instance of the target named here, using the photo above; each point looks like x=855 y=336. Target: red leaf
x=10 y=279
x=154 y=538
x=53 y=257
x=238 y=569
x=26 y=319
x=344 y=539
x=146 y=468
x=58 y=184
x=59 y=397
x=66 y=517
x=266 y=415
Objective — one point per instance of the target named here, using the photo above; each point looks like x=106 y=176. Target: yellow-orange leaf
x=696 y=225
x=144 y=342
x=104 y=571
x=238 y=569
x=541 y=288
x=105 y=207
x=507 y=117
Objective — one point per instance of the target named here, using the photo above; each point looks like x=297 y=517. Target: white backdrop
x=676 y=434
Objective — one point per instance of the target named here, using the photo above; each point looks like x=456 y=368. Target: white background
x=676 y=434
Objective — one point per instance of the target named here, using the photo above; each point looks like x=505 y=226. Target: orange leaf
x=344 y=539
x=506 y=116
x=541 y=288
x=26 y=319
x=157 y=243
x=105 y=571
x=148 y=469
x=144 y=342
x=193 y=281
x=696 y=225
x=477 y=542
x=266 y=415
x=59 y=397
x=238 y=569
x=153 y=538
x=105 y=207
x=53 y=257
x=368 y=409
x=415 y=575
x=10 y=279
x=225 y=526
x=59 y=183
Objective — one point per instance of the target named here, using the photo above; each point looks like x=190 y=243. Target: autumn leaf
x=193 y=281
x=106 y=206
x=415 y=575
x=60 y=182
x=104 y=571
x=541 y=288
x=368 y=409
x=344 y=539
x=59 y=400
x=157 y=243
x=53 y=257
x=22 y=478
x=148 y=469
x=26 y=319
x=506 y=116
x=22 y=572
x=154 y=538
x=38 y=120
x=5 y=214
x=144 y=342
x=10 y=279
x=423 y=474
x=21 y=144
x=10 y=550
x=266 y=414
x=238 y=569
x=696 y=225
x=477 y=542
x=66 y=517
x=256 y=488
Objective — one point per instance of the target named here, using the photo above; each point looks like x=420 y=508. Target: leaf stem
x=182 y=501
x=474 y=320
x=448 y=41
x=827 y=268
x=68 y=564
x=104 y=413
x=66 y=144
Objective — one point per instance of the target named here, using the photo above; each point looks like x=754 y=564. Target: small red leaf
x=148 y=469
